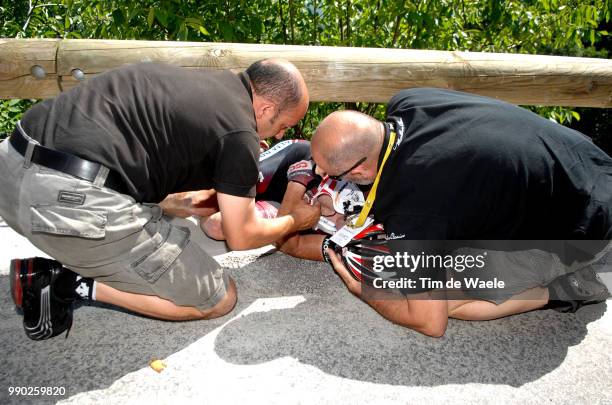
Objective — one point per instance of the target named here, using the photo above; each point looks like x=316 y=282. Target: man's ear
x=262 y=107
x=267 y=109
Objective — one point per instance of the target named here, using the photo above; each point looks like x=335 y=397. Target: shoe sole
x=20 y=274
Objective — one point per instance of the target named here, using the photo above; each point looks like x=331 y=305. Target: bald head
x=278 y=81
x=344 y=136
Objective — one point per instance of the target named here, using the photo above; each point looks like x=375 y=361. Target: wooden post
x=347 y=74
x=27 y=68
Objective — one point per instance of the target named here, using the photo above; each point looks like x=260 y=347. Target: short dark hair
x=275 y=82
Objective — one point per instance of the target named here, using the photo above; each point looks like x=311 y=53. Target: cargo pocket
x=171 y=240
x=59 y=220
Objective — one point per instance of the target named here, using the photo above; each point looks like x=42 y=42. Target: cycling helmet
x=358 y=256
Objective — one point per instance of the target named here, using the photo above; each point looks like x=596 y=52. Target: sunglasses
x=338 y=177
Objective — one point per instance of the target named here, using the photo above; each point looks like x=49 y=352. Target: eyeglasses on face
x=344 y=173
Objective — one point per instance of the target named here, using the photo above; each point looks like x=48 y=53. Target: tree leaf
x=162 y=17
x=151 y=17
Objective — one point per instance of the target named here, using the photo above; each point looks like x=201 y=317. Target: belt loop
x=27 y=156
x=101 y=176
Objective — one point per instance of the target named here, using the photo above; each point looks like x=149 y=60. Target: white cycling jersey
x=336 y=197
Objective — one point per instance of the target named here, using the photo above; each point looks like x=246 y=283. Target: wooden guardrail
x=41 y=68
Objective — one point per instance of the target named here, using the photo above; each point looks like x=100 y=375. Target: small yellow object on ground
x=157 y=365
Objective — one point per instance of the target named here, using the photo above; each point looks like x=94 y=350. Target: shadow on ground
x=342 y=336
x=331 y=330
x=105 y=344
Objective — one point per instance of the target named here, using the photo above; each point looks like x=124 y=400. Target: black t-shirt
x=471 y=167
x=165 y=129
x=468 y=168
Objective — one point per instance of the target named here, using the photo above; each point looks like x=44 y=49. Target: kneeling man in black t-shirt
x=516 y=207
x=83 y=177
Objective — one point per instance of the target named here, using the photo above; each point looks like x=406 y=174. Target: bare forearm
x=244 y=229
x=293 y=195
x=303 y=246
x=420 y=312
x=423 y=315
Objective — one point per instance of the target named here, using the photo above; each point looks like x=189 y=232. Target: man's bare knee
x=224 y=306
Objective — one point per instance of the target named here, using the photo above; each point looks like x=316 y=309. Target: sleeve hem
x=236 y=190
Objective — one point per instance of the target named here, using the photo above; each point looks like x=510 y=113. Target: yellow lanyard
x=367 y=206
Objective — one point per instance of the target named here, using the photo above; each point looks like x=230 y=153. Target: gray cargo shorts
x=100 y=233
x=523 y=270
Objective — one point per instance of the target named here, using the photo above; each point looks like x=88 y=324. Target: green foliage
x=561 y=27
x=10 y=112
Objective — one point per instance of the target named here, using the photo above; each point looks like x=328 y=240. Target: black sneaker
x=572 y=291
x=32 y=287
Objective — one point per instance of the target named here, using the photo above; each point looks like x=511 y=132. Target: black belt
x=66 y=163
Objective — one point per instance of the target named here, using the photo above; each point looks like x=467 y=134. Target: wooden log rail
x=41 y=68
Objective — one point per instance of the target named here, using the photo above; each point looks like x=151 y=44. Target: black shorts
x=273 y=166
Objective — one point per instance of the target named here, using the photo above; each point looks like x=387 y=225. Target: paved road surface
x=298 y=336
